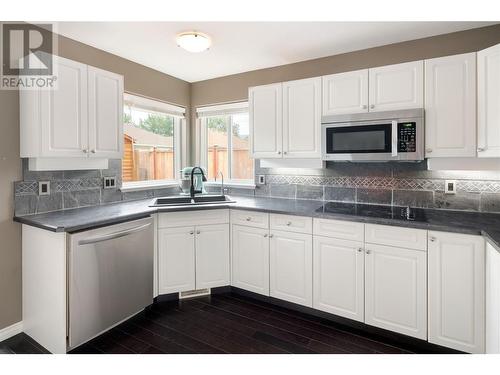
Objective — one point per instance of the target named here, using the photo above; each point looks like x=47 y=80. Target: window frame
x=223 y=110
x=162 y=108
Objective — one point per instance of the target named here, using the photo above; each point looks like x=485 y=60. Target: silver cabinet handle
x=429 y=150
x=191 y=232
x=360 y=250
x=265 y=235
x=284 y=152
x=364 y=106
x=289 y=223
x=85 y=151
x=271 y=235
x=432 y=239
x=368 y=252
x=92 y=151
x=198 y=232
x=481 y=149
x=278 y=152
x=248 y=218
x=372 y=106
x=114 y=235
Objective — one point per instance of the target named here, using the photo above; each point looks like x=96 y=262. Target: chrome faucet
x=222 y=184
x=192 y=190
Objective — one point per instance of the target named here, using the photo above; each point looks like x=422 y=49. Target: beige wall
x=138 y=80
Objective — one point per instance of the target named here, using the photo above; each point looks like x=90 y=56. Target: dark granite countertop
x=431 y=219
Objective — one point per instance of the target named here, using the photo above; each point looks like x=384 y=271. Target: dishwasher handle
x=114 y=235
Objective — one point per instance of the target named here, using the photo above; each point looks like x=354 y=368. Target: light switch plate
x=109 y=182
x=43 y=187
x=450 y=187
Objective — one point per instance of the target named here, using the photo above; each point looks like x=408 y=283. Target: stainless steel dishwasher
x=110 y=276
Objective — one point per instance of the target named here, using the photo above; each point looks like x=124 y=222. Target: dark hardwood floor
x=225 y=323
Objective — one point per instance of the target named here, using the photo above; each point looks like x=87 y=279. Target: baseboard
x=12 y=330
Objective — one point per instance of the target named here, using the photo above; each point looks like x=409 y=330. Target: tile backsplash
x=373 y=183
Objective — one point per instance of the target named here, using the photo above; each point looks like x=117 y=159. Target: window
x=224 y=142
x=152 y=131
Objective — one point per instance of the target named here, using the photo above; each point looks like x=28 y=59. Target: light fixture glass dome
x=193 y=41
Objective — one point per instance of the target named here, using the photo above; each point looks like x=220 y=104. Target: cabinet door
x=265 y=104
x=291 y=267
x=395 y=289
x=488 y=101
x=212 y=256
x=492 y=300
x=176 y=260
x=302 y=118
x=338 y=269
x=105 y=101
x=394 y=87
x=63 y=112
x=345 y=93
x=450 y=106
x=456 y=291
x=250 y=259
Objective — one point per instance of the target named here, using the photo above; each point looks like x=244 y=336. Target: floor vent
x=194 y=293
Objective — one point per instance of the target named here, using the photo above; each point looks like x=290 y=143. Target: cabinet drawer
x=345 y=230
x=250 y=218
x=396 y=236
x=290 y=223
x=193 y=218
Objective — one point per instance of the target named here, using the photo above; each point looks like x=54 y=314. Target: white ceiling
x=243 y=46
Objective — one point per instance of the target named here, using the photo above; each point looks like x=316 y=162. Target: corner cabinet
x=457 y=291
x=488 y=101
x=81 y=118
x=450 y=106
x=285 y=119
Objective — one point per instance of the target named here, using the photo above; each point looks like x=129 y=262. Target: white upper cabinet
x=450 y=106
x=345 y=93
x=488 y=100
x=395 y=294
x=80 y=118
x=457 y=291
x=399 y=86
x=265 y=105
x=105 y=113
x=302 y=118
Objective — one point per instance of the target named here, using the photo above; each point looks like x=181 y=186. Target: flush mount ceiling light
x=193 y=41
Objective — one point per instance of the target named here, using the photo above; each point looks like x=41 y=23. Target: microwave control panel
x=407 y=136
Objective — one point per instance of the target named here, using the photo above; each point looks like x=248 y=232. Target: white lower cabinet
x=338 y=269
x=457 y=291
x=250 y=259
x=395 y=289
x=176 y=258
x=492 y=300
x=291 y=267
x=212 y=256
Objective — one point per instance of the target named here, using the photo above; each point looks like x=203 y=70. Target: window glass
x=241 y=163
x=217 y=146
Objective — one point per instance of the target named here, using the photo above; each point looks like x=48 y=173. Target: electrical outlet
x=262 y=179
x=450 y=187
x=43 y=187
x=109 y=182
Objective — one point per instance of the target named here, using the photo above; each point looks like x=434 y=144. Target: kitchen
x=346 y=201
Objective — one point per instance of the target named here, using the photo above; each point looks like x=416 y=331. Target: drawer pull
x=198 y=232
x=289 y=223
x=191 y=232
x=265 y=235
x=360 y=250
x=432 y=239
x=248 y=218
x=368 y=252
x=271 y=235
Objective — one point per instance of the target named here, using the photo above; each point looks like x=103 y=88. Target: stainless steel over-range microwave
x=374 y=136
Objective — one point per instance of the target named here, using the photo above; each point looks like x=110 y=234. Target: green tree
x=127 y=119
x=158 y=124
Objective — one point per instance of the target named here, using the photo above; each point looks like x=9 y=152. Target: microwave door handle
x=394 y=138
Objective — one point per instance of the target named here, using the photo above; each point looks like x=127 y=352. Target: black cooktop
x=371 y=210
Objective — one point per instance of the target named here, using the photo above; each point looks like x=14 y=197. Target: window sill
x=147 y=185
x=232 y=184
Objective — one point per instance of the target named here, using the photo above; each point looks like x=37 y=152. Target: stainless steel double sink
x=179 y=200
